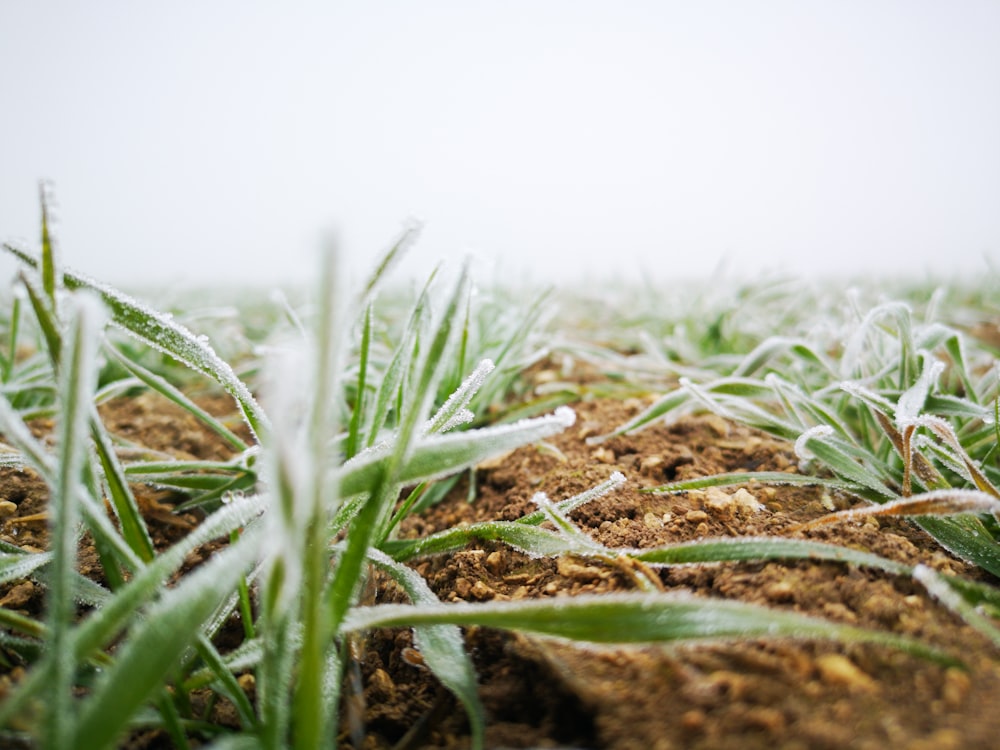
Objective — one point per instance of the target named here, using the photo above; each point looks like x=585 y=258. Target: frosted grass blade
x=532 y=540
x=946 y=502
x=174 y=394
x=741 y=409
x=761 y=548
x=103 y=625
x=123 y=607
x=616 y=480
x=407 y=239
x=911 y=403
x=436 y=456
x=14 y=566
x=631 y=618
x=440 y=645
x=964 y=535
x=402 y=362
x=664 y=406
x=46 y=318
x=316 y=694
x=123 y=502
x=763 y=477
x=165 y=335
x=946 y=434
x=564 y=527
x=354 y=428
x=944 y=591
x=842 y=459
x=384 y=477
x=154 y=647
x=775 y=347
x=35 y=455
x=49 y=276
x=77 y=380
x=455 y=410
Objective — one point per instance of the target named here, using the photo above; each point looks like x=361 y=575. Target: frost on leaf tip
x=802 y=444
x=565 y=416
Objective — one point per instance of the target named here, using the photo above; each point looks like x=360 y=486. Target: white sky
x=572 y=140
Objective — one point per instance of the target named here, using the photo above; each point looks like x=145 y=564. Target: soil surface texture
x=541 y=693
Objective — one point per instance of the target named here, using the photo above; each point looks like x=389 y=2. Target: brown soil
x=537 y=693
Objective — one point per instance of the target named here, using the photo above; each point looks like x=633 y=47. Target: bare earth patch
x=756 y=694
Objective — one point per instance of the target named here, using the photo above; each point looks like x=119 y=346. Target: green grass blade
x=155 y=646
x=565 y=528
x=230 y=688
x=48 y=250
x=843 y=459
x=120 y=494
x=14 y=566
x=532 y=540
x=762 y=548
x=966 y=537
x=13 y=330
x=520 y=534
x=774 y=348
x=103 y=625
x=106 y=536
x=354 y=428
x=436 y=456
x=666 y=404
x=942 y=589
x=455 y=410
x=165 y=335
x=116 y=611
x=441 y=646
x=402 y=361
x=407 y=238
x=77 y=381
x=46 y=318
x=169 y=391
x=763 y=477
x=387 y=475
x=631 y=618
x=742 y=408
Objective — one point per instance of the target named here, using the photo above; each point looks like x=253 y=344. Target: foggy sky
x=220 y=141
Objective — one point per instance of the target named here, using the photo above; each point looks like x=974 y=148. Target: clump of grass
x=887 y=406
x=310 y=506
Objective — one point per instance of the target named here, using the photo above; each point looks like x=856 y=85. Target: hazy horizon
x=575 y=141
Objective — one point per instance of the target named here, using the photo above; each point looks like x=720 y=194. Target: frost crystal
x=162 y=333
x=802 y=444
x=455 y=410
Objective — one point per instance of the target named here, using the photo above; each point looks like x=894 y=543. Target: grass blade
x=632 y=618
x=165 y=335
x=745 y=477
x=155 y=647
x=440 y=645
x=437 y=456
x=167 y=390
x=762 y=548
x=77 y=380
x=120 y=494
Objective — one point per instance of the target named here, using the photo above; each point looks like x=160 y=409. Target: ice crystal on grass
x=163 y=334
x=455 y=410
x=802 y=444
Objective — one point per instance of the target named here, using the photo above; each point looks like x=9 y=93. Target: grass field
x=363 y=409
